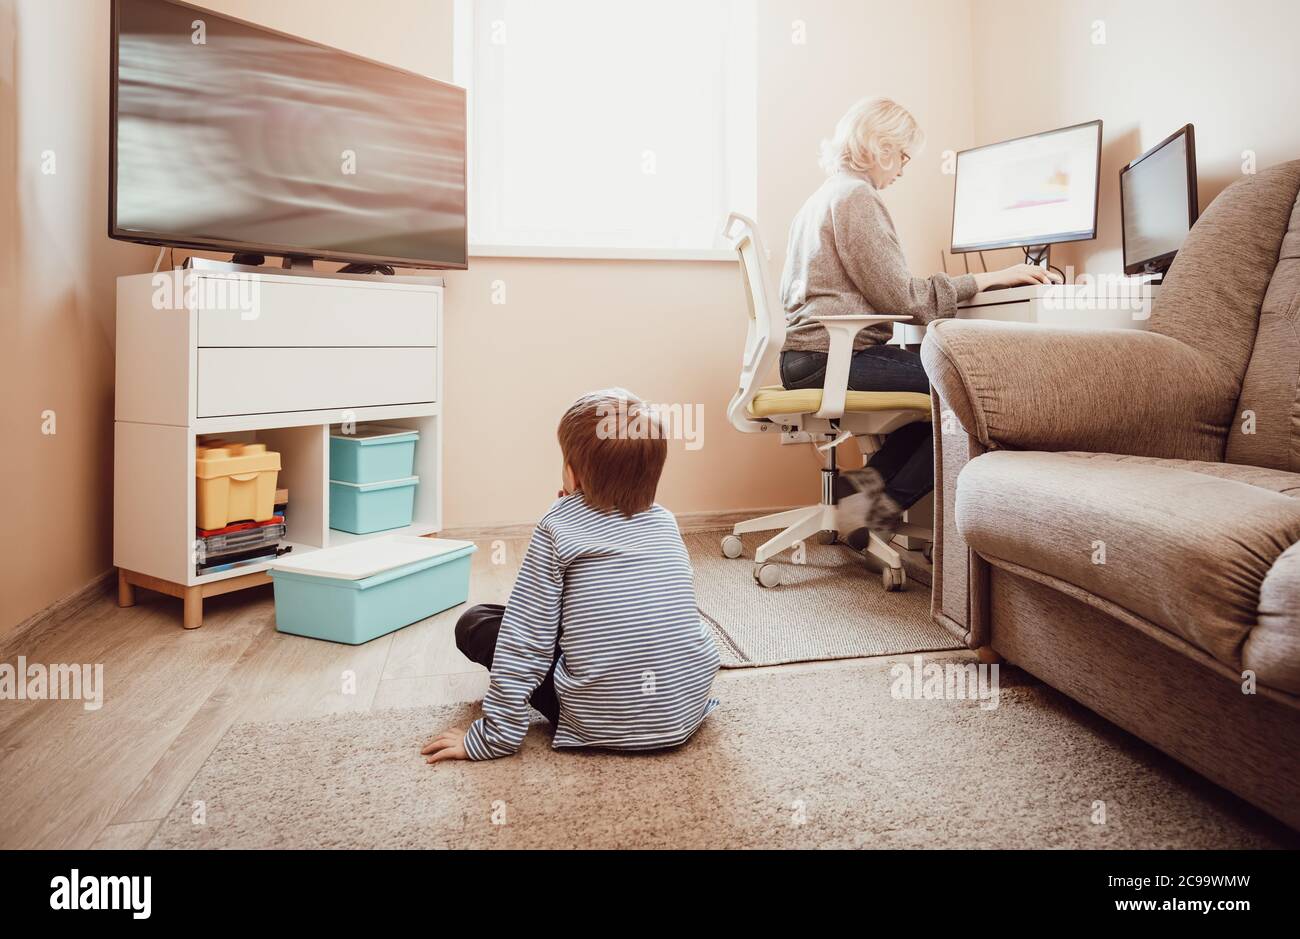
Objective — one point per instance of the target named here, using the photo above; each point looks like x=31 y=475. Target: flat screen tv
x=232 y=137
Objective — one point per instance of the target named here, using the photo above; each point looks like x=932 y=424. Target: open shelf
x=256 y=567
x=304 y=471
x=300 y=550
x=426 y=517
x=303 y=458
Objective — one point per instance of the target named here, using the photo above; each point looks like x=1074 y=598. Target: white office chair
x=831 y=412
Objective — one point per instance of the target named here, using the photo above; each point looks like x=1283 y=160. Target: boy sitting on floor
x=601 y=633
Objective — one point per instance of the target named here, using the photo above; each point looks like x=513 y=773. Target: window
x=602 y=129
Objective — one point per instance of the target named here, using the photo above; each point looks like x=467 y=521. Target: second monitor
x=1158 y=203
x=1028 y=192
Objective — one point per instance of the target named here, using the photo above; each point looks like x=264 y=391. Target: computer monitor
x=1158 y=202
x=1028 y=192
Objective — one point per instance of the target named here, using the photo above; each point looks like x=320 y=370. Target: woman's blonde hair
x=872 y=132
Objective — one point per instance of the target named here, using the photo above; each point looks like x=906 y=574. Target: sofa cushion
x=1279 y=481
x=1185 y=545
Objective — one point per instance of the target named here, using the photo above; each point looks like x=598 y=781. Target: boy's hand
x=448 y=745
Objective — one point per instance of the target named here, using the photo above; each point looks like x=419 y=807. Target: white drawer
x=270 y=381
x=261 y=312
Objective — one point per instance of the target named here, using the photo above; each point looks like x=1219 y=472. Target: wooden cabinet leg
x=988 y=656
x=125 y=590
x=193 y=607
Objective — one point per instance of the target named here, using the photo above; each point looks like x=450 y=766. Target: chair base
x=797 y=525
x=800 y=524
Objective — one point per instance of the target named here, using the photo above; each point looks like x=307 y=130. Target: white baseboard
x=689 y=522
x=70 y=604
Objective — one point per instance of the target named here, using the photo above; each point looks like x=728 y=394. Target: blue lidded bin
x=360 y=591
x=374 y=453
x=363 y=508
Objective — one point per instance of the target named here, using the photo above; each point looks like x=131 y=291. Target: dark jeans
x=476 y=638
x=906 y=460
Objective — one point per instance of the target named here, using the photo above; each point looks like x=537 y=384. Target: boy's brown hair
x=612 y=442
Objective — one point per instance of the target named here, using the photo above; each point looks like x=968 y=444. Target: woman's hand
x=1017 y=275
x=448 y=745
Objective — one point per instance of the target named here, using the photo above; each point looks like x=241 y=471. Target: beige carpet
x=831 y=607
x=807 y=756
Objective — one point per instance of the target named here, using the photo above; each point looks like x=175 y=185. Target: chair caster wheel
x=893 y=579
x=830 y=537
x=731 y=547
x=767 y=575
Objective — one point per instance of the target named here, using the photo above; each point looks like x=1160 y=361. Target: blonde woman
x=844 y=258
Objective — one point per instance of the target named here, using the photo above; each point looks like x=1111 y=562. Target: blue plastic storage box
x=364 y=590
x=362 y=508
x=373 y=454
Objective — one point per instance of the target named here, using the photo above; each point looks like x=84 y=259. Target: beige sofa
x=1118 y=511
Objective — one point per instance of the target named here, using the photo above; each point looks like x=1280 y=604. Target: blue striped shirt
x=636 y=664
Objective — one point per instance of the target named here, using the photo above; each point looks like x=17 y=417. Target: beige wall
x=671 y=331
x=1232 y=69
x=56 y=304
x=974 y=71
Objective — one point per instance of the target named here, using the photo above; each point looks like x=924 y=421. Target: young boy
x=601 y=633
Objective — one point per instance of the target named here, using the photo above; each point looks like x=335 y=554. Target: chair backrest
x=766 y=331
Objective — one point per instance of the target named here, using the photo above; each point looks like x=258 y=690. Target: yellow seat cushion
x=773 y=399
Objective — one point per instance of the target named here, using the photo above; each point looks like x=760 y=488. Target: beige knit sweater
x=844 y=258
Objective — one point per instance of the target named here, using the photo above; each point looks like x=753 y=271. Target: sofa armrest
x=1029 y=387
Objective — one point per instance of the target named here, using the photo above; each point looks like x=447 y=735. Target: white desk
x=1126 y=304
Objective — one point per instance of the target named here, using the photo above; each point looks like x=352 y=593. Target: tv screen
x=231 y=137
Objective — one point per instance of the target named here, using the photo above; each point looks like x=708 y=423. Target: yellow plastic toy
x=236 y=483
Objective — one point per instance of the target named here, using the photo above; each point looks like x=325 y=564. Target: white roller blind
x=607 y=124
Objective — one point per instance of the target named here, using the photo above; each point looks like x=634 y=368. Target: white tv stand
x=196 y=359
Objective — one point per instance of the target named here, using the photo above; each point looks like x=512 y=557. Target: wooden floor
x=72 y=778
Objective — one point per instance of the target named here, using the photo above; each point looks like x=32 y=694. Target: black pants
x=476 y=638
x=906 y=460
